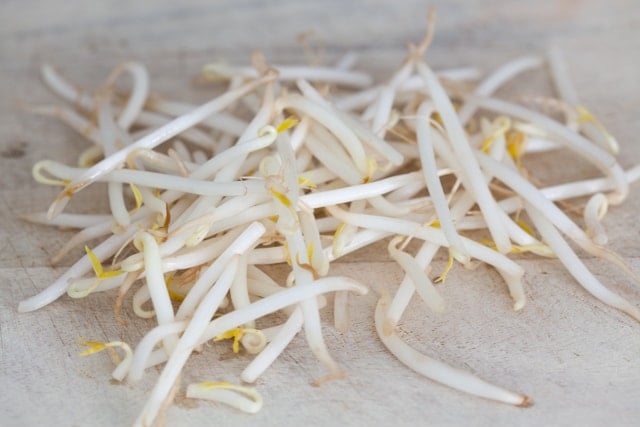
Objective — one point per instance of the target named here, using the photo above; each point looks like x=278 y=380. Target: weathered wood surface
x=575 y=356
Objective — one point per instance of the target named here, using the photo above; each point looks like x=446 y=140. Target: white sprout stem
x=242 y=398
x=333 y=123
x=264 y=287
x=182 y=151
x=288 y=225
x=374 y=141
x=347 y=61
x=572 y=189
x=540 y=145
x=499 y=77
x=368 y=136
x=287 y=157
x=184 y=185
x=152 y=140
x=338 y=163
x=275 y=347
x=123 y=367
x=577 y=143
x=470 y=167
x=468 y=73
x=205 y=216
x=560 y=76
x=146 y=159
x=64 y=89
x=266 y=256
x=223 y=159
x=521 y=237
x=318 y=259
x=441 y=372
x=161 y=180
x=320 y=175
x=466 y=201
x=254 y=213
x=138 y=95
x=239 y=292
x=358 y=99
x=255 y=273
x=299 y=134
x=189 y=339
x=90 y=155
x=291 y=73
x=504 y=265
x=144 y=355
x=141 y=355
x=407 y=288
x=528 y=192
x=202 y=254
x=67 y=220
x=71 y=118
x=154 y=203
x=594 y=211
x=360 y=240
x=426 y=253
x=253 y=340
x=200 y=157
x=430 y=173
x=192 y=134
x=415 y=272
x=344 y=233
x=366 y=97
x=278 y=301
x=222 y=121
x=140 y=297
x=575 y=266
x=257 y=126
x=351 y=193
x=240 y=245
x=156 y=285
x=516 y=233
x=251 y=102
x=386 y=98
x=566 y=90
x=80 y=288
x=107 y=128
x=408 y=191
x=103 y=251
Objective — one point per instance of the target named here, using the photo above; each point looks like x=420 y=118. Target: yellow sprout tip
x=527 y=229
x=305 y=182
x=310 y=251
x=94 y=347
x=235 y=334
x=137 y=196
x=281 y=197
x=516 y=143
x=95 y=262
x=287 y=123
x=215 y=384
x=372 y=166
x=175 y=296
x=97 y=266
x=442 y=277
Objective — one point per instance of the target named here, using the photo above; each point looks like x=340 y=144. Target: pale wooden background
x=575 y=356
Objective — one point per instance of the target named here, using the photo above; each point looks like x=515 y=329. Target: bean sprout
x=301 y=165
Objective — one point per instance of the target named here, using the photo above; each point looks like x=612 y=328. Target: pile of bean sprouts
x=300 y=166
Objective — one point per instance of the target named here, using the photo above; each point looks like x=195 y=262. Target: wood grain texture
x=576 y=357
